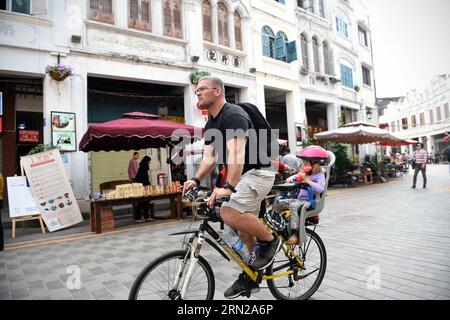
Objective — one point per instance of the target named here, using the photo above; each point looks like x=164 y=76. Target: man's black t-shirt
x=232 y=121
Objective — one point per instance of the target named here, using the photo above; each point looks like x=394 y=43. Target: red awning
x=136 y=131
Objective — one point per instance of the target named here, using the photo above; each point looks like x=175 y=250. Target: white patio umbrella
x=357 y=133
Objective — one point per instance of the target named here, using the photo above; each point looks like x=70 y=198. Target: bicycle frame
x=229 y=254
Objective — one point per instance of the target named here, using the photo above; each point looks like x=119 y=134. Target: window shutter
x=316 y=56
x=94 y=4
x=207 y=21
x=292 y=51
x=237 y=31
x=223 y=25
x=266 y=45
x=178 y=30
x=145 y=12
x=331 y=62
x=38 y=7
x=304 y=53
x=280 y=47
x=107 y=6
x=134 y=9
x=167 y=18
x=326 y=61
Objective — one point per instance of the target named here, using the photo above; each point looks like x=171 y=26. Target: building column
x=260 y=95
x=193 y=116
x=247 y=42
x=215 y=22
x=78 y=162
x=193 y=29
x=321 y=60
x=310 y=55
x=295 y=116
x=231 y=29
x=157 y=17
x=333 y=110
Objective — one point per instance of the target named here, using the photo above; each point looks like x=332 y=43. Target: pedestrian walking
x=420 y=157
x=133 y=166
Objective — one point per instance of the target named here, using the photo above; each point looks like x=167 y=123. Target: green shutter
x=292 y=51
x=280 y=46
x=266 y=45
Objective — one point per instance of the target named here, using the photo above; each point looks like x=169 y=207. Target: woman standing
x=142 y=177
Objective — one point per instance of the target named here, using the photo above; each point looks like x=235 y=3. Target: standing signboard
x=20 y=199
x=51 y=189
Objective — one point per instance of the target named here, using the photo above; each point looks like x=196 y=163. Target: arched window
x=268 y=42
x=341 y=26
x=172 y=18
x=316 y=54
x=207 y=20
x=304 y=45
x=224 y=38
x=321 y=8
x=328 y=59
x=238 y=31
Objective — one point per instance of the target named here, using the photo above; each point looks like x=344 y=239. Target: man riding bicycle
x=226 y=135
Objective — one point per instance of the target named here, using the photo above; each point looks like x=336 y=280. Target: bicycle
x=295 y=274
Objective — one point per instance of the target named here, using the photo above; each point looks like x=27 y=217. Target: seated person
x=315 y=179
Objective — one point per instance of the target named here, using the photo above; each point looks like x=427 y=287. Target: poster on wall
x=299 y=134
x=51 y=189
x=63 y=130
x=20 y=198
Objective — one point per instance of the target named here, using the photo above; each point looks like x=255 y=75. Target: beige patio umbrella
x=357 y=133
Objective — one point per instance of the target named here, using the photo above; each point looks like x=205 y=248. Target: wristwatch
x=228 y=186
x=196 y=180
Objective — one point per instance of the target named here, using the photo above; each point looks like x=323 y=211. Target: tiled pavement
x=386 y=232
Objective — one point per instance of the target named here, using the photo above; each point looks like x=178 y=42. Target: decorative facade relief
x=149 y=48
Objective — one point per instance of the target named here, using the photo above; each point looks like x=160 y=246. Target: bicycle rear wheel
x=157 y=280
x=314 y=257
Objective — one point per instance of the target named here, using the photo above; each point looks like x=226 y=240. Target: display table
x=100 y=207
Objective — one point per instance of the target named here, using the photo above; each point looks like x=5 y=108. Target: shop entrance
x=316 y=115
x=22 y=120
x=109 y=99
x=276 y=111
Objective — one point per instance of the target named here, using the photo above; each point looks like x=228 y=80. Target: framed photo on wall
x=64 y=130
x=299 y=134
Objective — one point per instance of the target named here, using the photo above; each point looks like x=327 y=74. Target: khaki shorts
x=251 y=189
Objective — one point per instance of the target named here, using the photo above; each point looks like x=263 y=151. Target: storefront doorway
x=276 y=111
x=109 y=99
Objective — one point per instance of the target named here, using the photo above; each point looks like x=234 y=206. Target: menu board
x=20 y=199
x=51 y=189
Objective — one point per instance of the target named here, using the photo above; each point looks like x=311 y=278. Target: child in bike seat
x=312 y=156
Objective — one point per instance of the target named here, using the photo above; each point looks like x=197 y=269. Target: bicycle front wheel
x=314 y=257
x=158 y=279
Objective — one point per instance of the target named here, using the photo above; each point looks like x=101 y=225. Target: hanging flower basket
x=59 y=72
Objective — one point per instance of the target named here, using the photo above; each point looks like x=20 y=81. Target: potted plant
x=59 y=72
x=196 y=75
x=41 y=148
x=333 y=79
x=304 y=71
